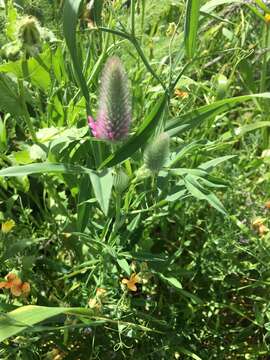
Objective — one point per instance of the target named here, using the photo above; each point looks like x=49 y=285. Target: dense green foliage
x=129 y=263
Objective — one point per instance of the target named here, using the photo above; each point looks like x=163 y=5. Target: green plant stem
x=265 y=131
x=132 y=18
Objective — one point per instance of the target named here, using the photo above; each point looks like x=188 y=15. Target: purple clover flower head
x=114 y=112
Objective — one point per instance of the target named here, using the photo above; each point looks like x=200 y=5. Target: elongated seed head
x=156 y=153
x=114 y=112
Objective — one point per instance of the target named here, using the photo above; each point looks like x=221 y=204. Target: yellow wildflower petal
x=267 y=18
x=7 y=226
x=132 y=286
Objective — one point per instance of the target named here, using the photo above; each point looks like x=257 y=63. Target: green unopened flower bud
x=221 y=84
x=121 y=181
x=29 y=34
x=157 y=153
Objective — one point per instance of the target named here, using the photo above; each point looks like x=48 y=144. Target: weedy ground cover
x=134 y=180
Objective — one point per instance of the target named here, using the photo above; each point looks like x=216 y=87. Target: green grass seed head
x=157 y=153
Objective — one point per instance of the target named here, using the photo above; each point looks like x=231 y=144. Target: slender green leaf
x=209 y=165
x=25 y=317
x=190 y=354
x=195 y=117
x=84 y=206
x=191 y=26
x=71 y=12
x=211 y=5
x=39 y=168
x=200 y=193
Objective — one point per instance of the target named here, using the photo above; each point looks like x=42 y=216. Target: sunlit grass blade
x=44 y=168
x=195 y=117
x=71 y=11
x=25 y=317
x=191 y=26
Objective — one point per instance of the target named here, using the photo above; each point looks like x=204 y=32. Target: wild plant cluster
x=134 y=179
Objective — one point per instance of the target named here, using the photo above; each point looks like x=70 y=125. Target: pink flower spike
x=93 y=125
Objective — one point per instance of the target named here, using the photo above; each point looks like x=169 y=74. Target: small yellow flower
x=132 y=281
x=93 y=303
x=181 y=93
x=267 y=204
x=267 y=19
x=258 y=225
x=171 y=29
x=100 y=293
x=257 y=222
x=7 y=226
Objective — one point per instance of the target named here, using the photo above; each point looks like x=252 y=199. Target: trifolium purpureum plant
x=114 y=111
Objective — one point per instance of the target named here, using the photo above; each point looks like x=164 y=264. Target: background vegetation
x=79 y=215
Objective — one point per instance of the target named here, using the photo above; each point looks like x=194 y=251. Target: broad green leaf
x=195 y=117
x=25 y=317
x=140 y=138
x=39 y=168
x=10 y=100
x=102 y=182
x=36 y=70
x=171 y=281
x=191 y=26
x=71 y=12
x=124 y=265
x=11 y=26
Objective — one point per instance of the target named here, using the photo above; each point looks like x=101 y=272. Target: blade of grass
x=191 y=26
x=71 y=11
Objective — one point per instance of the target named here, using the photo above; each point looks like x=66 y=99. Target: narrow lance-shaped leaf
x=195 y=117
x=191 y=26
x=71 y=11
x=25 y=318
x=39 y=168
